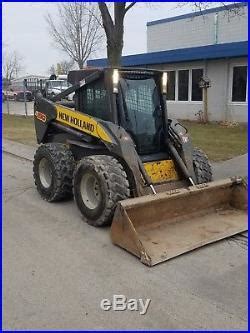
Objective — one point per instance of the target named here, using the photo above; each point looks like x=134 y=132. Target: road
x=236 y=166
x=57 y=269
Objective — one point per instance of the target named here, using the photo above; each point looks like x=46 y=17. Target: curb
x=220 y=169
x=18 y=150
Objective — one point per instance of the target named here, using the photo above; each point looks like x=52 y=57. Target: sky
x=25 y=31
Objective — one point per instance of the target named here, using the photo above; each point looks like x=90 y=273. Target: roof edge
x=199 y=13
x=212 y=51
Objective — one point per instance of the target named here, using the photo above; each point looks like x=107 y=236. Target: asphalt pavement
x=57 y=269
x=236 y=166
x=18 y=108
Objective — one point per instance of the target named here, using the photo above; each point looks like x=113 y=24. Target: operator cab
x=142 y=111
x=131 y=98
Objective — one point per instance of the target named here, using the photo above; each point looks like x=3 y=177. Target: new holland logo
x=76 y=121
x=41 y=116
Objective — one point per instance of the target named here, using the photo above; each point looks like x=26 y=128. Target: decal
x=41 y=116
x=82 y=122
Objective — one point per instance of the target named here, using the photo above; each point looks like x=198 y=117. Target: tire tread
x=202 y=167
x=116 y=181
x=63 y=162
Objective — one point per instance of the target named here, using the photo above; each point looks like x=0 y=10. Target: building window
x=239 y=88
x=197 y=74
x=171 y=86
x=183 y=78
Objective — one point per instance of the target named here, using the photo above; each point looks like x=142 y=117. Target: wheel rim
x=45 y=173
x=90 y=191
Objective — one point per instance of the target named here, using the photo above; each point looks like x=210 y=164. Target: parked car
x=10 y=94
x=20 y=96
x=55 y=87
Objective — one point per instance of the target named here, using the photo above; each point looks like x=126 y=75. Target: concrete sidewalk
x=19 y=150
x=18 y=108
x=236 y=166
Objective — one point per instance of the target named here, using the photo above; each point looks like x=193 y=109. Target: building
x=33 y=82
x=212 y=44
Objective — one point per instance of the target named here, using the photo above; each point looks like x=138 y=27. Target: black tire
x=109 y=178
x=202 y=167
x=60 y=162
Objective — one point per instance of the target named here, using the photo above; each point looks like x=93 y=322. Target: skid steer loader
x=128 y=164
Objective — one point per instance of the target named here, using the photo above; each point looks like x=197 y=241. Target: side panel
x=81 y=122
x=44 y=113
x=161 y=171
x=178 y=135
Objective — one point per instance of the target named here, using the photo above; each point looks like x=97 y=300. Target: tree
x=12 y=65
x=52 y=70
x=65 y=66
x=62 y=67
x=77 y=32
x=114 y=29
x=58 y=69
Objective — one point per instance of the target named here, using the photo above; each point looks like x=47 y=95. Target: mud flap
x=159 y=227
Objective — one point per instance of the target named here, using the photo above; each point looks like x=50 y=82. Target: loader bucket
x=159 y=227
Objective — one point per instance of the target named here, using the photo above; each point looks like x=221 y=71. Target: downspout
x=205 y=97
x=216 y=28
x=227 y=108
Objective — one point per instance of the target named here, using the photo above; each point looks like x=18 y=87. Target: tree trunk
x=114 y=53
x=80 y=64
x=114 y=30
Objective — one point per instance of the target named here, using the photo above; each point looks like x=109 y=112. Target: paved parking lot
x=57 y=269
x=18 y=108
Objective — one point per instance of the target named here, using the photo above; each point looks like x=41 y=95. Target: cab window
x=94 y=100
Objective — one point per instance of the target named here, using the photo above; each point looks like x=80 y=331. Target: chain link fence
x=21 y=108
x=19 y=100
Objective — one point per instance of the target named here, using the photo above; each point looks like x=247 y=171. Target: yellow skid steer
x=128 y=164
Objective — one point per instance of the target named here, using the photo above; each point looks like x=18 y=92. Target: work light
x=115 y=80
x=164 y=82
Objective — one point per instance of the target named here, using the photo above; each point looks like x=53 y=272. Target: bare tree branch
x=52 y=70
x=130 y=6
x=12 y=65
x=235 y=10
x=77 y=32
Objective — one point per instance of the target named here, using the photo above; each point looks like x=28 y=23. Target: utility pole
x=204 y=84
x=205 y=112
x=24 y=96
x=7 y=101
